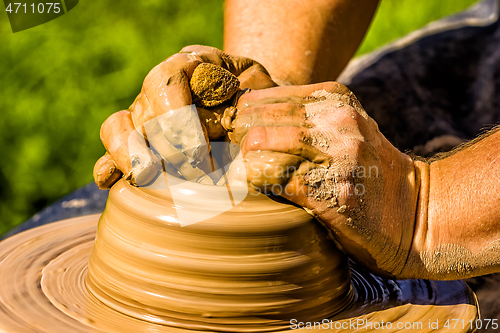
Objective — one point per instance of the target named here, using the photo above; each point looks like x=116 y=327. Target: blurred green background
x=61 y=80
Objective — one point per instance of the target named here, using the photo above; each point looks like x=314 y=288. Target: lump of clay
x=212 y=85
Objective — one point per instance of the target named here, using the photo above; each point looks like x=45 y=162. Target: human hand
x=166 y=89
x=317 y=147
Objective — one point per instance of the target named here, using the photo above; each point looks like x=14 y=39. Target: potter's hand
x=167 y=88
x=316 y=146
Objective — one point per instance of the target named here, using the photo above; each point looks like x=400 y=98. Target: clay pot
x=257 y=266
x=260 y=263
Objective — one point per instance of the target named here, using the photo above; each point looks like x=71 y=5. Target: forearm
x=299 y=42
x=458 y=234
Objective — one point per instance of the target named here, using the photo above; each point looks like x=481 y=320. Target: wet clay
x=256 y=265
x=252 y=268
x=268 y=268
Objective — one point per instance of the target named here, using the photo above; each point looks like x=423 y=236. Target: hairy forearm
x=299 y=42
x=458 y=224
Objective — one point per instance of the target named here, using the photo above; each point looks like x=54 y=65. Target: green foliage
x=61 y=80
x=396 y=18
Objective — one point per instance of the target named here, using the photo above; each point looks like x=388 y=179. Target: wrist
x=422 y=182
x=398 y=210
x=413 y=217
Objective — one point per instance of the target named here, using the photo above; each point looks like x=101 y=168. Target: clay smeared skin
x=167 y=88
x=212 y=121
x=116 y=132
x=327 y=135
x=106 y=173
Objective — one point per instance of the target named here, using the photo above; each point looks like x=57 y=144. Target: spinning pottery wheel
x=262 y=266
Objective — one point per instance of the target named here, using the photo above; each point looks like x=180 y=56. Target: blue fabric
x=84 y=201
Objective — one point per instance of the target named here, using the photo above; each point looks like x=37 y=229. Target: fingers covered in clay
x=256 y=77
x=320 y=149
x=270 y=171
x=115 y=132
x=183 y=79
x=165 y=88
x=202 y=75
x=287 y=105
x=198 y=74
x=283 y=139
x=250 y=73
x=295 y=94
x=128 y=149
x=237 y=65
x=212 y=122
x=291 y=177
x=325 y=133
x=282 y=114
x=106 y=173
x=295 y=143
